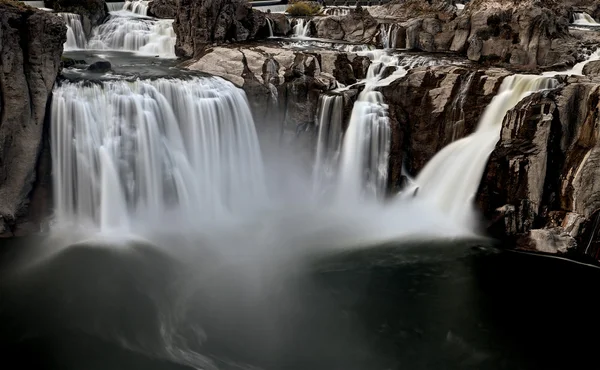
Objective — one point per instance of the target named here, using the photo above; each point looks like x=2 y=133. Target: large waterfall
x=127 y=152
x=451 y=178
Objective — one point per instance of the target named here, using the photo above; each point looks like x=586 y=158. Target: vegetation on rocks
x=303 y=8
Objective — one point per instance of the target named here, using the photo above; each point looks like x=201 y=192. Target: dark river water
x=476 y=308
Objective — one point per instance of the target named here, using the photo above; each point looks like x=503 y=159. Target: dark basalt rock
x=357 y=26
x=95 y=11
x=101 y=66
x=31 y=43
x=166 y=9
x=199 y=24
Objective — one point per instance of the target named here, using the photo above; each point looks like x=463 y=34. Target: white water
x=389 y=35
x=127 y=154
x=584 y=19
x=337 y=11
x=137 y=6
x=115 y=6
x=270 y=24
x=76 y=38
x=329 y=140
x=301 y=29
x=450 y=180
x=127 y=32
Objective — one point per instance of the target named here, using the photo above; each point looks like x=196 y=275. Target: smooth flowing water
x=584 y=19
x=301 y=28
x=76 y=38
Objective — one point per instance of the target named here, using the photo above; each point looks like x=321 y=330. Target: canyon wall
x=31 y=43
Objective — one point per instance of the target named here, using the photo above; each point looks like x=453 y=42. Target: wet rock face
x=199 y=24
x=432 y=107
x=545 y=166
x=357 y=26
x=166 y=9
x=31 y=43
x=94 y=10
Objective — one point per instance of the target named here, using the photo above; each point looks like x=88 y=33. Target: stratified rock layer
x=31 y=42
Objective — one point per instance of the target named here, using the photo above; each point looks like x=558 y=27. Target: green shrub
x=303 y=8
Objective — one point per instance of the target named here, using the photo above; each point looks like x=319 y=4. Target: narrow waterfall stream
x=76 y=38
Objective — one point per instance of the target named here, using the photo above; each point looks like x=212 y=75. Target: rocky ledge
x=31 y=43
x=94 y=11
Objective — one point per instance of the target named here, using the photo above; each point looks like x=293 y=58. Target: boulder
x=592 y=68
x=166 y=9
x=95 y=11
x=199 y=24
x=31 y=44
x=357 y=26
x=101 y=66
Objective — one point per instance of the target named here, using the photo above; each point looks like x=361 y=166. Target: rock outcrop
x=433 y=106
x=166 y=9
x=283 y=86
x=199 y=24
x=524 y=33
x=357 y=26
x=31 y=43
x=545 y=166
x=95 y=11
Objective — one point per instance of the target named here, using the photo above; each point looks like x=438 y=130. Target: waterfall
x=145 y=35
x=76 y=38
x=337 y=11
x=302 y=28
x=113 y=7
x=584 y=19
x=329 y=140
x=137 y=6
x=142 y=152
x=270 y=24
x=450 y=180
x=389 y=35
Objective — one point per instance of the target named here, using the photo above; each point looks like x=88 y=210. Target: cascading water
x=337 y=11
x=133 y=33
x=301 y=28
x=389 y=35
x=130 y=153
x=584 y=19
x=112 y=7
x=451 y=178
x=137 y=6
x=270 y=24
x=76 y=38
x=329 y=140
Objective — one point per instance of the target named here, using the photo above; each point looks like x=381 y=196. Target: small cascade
x=337 y=11
x=584 y=19
x=301 y=28
x=389 y=35
x=113 y=7
x=329 y=140
x=127 y=153
x=451 y=178
x=137 y=6
x=154 y=37
x=458 y=112
x=76 y=38
x=270 y=25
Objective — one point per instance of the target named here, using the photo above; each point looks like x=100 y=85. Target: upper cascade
x=137 y=6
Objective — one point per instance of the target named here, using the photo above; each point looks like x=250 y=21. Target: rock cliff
x=527 y=33
x=94 y=10
x=199 y=24
x=543 y=171
x=163 y=9
x=357 y=26
x=31 y=43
